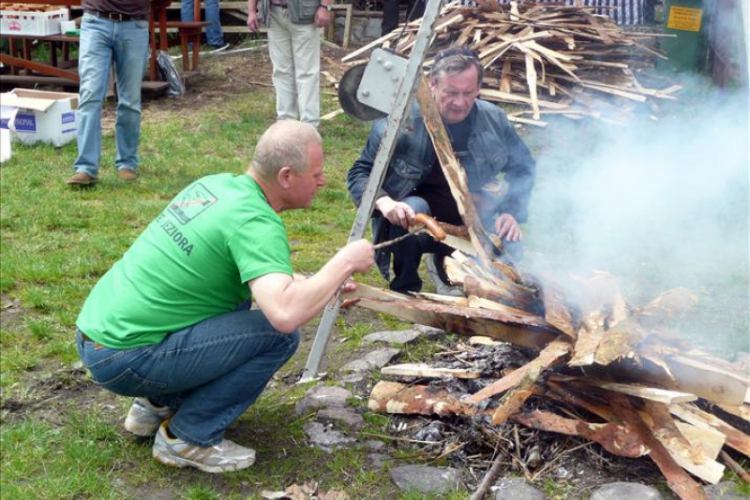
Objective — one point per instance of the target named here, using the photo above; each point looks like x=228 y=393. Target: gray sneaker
x=441 y=288
x=144 y=418
x=223 y=457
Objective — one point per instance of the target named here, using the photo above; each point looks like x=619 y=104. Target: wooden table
x=64 y=71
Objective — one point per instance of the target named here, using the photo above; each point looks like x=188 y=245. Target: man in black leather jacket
x=499 y=168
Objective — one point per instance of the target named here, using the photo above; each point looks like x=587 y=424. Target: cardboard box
x=32 y=23
x=42 y=116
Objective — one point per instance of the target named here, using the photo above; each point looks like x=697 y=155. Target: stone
x=429 y=331
x=725 y=490
x=400 y=337
x=374 y=445
x=516 y=489
x=621 y=490
x=348 y=417
x=374 y=360
x=425 y=479
x=322 y=396
x=325 y=437
x=379 y=460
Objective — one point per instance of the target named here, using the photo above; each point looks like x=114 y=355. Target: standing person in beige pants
x=294 y=47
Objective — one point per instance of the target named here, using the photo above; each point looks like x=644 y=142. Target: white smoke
x=657 y=203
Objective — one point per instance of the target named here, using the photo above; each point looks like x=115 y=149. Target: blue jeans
x=214 y=36
x=102 y=42
x=209 y=373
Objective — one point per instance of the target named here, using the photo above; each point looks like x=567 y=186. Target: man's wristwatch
x=326 y=7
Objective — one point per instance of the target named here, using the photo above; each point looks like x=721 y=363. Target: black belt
x=114 y=16
x=282 y=5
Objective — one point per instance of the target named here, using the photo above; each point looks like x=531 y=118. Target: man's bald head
x=286 y=143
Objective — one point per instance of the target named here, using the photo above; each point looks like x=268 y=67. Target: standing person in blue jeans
x=111 y=32
x=169 y=323
x=214 y=35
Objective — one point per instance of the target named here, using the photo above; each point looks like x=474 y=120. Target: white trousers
x=295 y=55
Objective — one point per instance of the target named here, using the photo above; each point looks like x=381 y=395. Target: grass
x=57 y=242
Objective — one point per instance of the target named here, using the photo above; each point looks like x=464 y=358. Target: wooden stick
x=488 y=480
x=736 y=468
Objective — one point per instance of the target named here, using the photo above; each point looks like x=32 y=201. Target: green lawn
x=60 y=437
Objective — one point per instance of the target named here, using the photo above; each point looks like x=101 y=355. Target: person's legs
x=390 y=16
x=415 y=10
x=187 y=10
x=280 y=50
x=131 y=52
x=214 y=35
x=94 y=61
x=306 y=54
x=210 y=373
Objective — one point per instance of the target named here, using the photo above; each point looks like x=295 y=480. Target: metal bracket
x=411 y=78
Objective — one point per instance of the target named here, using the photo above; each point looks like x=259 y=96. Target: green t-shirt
x=192 y=263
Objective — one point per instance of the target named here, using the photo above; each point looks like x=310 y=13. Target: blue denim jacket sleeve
x=520 y=174
x=359 y=173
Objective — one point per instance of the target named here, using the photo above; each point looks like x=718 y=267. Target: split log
x=689 y=455
x=550 y=355
x=427 y=371
x=526 y=331
x=736 y=439
x=616 y=439
x=393 y=397
x=677 y=479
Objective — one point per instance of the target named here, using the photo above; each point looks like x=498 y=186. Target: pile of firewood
x=617 y=363
x=548 y=59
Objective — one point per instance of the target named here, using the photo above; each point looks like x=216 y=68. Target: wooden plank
x=736 y=439
x=427 y=371
x=396 y=398
x=677 y=479
x=549 y=356
x=690 y=456
x=648 y=393
x=617 y=439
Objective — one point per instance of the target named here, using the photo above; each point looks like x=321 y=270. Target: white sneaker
x=144 y=418
x=441 y=288
x=226 y=456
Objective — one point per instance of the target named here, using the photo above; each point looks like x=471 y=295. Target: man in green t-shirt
x=170 y=323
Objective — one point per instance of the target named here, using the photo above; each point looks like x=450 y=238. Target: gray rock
x=324 y=437
x=439 y=480
x=379 y=460
x=322 y=396
x=352 y=378
x=348 y=417
x=621 y=491
x=374 y=445
x=516 y=489
x=429 y=331
x=374 y=360
x=725 y=490
x=392 y=337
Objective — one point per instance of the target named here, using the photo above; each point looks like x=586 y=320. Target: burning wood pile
x=546 y=58
x=618 y=376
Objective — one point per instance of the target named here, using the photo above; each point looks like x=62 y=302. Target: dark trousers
x=407 y=253
x=415 y=10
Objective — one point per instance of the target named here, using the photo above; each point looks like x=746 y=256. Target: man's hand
x=322 y=17
x=359 y=254
x=252 y=21
x=507 y=228
x=398 y=213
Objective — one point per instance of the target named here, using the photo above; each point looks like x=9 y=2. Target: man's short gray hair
x=286 y=143
x=456 y=60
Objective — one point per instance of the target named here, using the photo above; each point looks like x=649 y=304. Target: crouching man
x=170 y=323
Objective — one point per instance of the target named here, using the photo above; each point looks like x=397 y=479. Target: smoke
x=659 y=204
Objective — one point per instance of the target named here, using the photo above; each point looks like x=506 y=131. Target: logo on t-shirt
x=191 y=203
